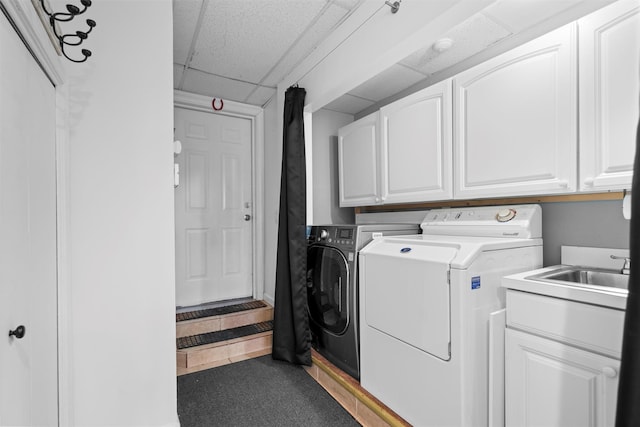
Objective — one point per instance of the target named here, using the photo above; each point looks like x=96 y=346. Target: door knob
x=247 y=217
x=19 y=332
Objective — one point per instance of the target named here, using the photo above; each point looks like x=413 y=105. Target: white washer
x=425 y=302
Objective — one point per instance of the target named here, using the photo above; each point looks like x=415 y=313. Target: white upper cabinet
x=609 y=90
x=401 y=154
x=416 y=146
x=516 y=121
x=358 y=162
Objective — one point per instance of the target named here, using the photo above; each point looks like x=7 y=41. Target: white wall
x=326 y=203
x=121 y=238
x=597 y=224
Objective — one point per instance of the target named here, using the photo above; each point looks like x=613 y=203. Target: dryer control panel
x=523 y=221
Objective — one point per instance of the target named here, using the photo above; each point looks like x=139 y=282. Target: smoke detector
x=442 y=44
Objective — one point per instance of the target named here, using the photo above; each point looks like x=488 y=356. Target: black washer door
x=327 y=288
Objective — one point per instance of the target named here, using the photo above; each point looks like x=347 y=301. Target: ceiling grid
x=241 y=49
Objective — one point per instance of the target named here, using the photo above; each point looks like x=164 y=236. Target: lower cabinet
x=549 y=383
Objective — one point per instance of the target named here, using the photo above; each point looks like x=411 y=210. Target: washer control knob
x=505 y=215
x=324 y=234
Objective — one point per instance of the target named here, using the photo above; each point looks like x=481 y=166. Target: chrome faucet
x=626 y=268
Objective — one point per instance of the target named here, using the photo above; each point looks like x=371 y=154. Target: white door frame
x=256 y=115
x=33 y=32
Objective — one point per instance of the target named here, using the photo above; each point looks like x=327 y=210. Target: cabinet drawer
x=583 y=325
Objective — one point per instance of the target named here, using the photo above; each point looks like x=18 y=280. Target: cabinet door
x=609 y=87
x=358 y=162
x=416 y=146
x=548 y=383
x=516 y=123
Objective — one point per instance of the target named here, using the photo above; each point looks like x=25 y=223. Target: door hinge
x=449 y=276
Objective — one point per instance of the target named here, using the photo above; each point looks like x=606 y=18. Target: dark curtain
x=291 y=335
x=628 y=410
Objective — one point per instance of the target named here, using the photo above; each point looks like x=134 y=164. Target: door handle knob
x=247 y=217
x=19 y=332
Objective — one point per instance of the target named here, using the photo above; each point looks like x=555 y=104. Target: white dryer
x=425 y=302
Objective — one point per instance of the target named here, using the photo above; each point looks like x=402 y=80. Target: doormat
x=218 y=311
x=224 y=335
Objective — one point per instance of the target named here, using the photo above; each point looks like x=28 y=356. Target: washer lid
x=405 y=292
x=433 y=247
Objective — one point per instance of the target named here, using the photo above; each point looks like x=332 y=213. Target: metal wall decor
x=395 y=6
x=70 y=39
x=213 y=104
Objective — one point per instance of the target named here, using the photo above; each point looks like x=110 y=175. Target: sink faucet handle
x=626 y=268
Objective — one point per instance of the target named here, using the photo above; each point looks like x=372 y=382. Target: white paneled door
x=213 y=208
x=28 y=284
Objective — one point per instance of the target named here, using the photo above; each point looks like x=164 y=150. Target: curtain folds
x=291 y=334
x=628 y=410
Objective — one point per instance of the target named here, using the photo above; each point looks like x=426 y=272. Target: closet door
x=28 y=241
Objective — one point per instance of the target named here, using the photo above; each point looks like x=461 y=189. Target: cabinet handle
x=609 y=372
x=18 y=332
x=588 y=182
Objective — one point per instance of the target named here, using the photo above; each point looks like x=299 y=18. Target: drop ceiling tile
x=470 y=37
x=389 y=82
x=310 y=39
x=348 y=104
x=206 y=84
x=261 y=96
x=347 y=4
x=185 y=17
x=178 y=69
x=239 y=39
x=518 y=15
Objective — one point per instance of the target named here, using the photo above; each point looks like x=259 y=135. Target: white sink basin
x=602 y=287
x=585 y=276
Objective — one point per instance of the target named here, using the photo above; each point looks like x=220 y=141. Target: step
x=197 y=322
x=213 y=349
x=207 y=338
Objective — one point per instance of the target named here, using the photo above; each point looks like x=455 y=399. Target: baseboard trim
x=353 y=388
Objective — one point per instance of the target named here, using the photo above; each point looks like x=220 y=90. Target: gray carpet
x=257 y=392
